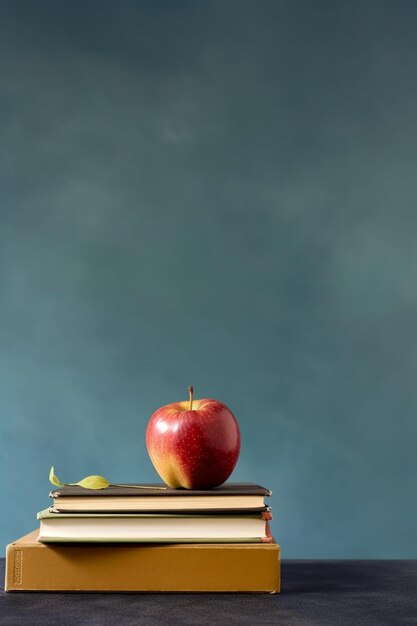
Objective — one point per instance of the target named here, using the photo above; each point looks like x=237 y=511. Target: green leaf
x=53 y=479
x=89 y=482
x=93 y=482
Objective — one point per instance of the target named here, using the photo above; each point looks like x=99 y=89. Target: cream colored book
x=61 y=527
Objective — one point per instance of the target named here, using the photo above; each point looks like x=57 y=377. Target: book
x=157 y=497
x=224 y=567
x=139 y=527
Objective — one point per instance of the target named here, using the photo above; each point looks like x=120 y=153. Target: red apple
x=193 y=444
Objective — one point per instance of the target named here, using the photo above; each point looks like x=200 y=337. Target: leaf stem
x=137 y=486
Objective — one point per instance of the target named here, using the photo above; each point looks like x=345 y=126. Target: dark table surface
x=313 y=592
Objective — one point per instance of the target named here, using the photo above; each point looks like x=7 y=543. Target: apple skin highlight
x=193 y=449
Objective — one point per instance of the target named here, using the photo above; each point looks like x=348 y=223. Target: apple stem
x=191 y=391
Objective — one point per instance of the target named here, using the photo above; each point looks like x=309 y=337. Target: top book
x=151 y=497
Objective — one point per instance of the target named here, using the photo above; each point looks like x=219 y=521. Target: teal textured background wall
x=220 y=194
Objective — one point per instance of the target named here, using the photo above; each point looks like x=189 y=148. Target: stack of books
x=149 y=538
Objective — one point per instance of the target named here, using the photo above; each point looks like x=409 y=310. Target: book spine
x=268 y=535
x=14 y=568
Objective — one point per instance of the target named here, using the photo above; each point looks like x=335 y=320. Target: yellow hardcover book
x=228 y=567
